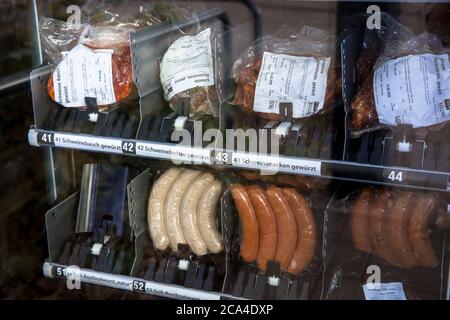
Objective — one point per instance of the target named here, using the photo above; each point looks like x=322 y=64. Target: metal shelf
x=126 y=283
x=352 y=171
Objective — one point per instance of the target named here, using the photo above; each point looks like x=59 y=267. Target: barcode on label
x=311 y=107
x=271 y=104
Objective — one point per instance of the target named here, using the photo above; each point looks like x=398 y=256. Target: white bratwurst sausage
x=188 y=213
x=172 y=207
x=206 y=217
x=156 y=208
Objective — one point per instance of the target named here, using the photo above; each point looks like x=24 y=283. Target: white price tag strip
x=118 y=146
x=174 y=152
x=179 y=293
x=89 y=143
x=73 y=273
x=384 y=291
x=274 y=164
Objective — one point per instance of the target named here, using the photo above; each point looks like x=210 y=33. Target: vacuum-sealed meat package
x=92 y=59
x=187 y=72
x=398 y=233
x=294 y=69
x=408 y=82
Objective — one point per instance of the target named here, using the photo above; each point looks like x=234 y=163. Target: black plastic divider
x=318 y=137
x=117 y=124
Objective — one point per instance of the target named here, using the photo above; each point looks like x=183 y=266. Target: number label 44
x=395 y=176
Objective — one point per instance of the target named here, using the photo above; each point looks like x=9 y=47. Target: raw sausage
x=378 y=231
x=206 y=217
x=286 y=227
x=250 y=232
x=442 y=221
x=188 y=214
x=418 y=230
x=155 y=215
x=305 y=184
x=307 y=231
x=172 y=208
x=398 y=221
x=267 y=226
x=360 y=221
x=363 y=111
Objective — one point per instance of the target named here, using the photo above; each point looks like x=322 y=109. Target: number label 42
x=128 y=147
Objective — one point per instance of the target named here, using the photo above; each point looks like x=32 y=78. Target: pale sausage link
x=249 y=223
x=188 y=213
x=172 y=208
x=206 y=217
x=418 y=230
x=155 y=214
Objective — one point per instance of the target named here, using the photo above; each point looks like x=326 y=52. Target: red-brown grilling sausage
x=398 y=221
x=360 y=220
x=441 y=221
x=286 y=227
x=379 y=236
x=307 y=231
x=267 y=226
x=249 y=223
x=418 y=230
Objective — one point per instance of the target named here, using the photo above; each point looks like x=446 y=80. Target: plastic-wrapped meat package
x=406 y=80
x=294 y=69
x=396 y=235
x=187 y=73
x=93 y=59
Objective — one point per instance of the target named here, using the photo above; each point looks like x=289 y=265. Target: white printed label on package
x=299 y=80
x=414 y=90
x=187 y=64
x=84 y=73
x=384 y=291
